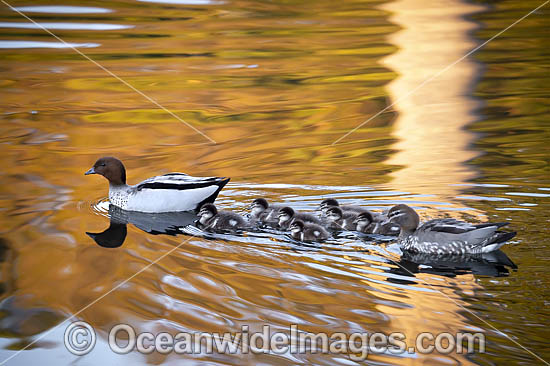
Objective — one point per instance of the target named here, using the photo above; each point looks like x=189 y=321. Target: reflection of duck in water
x=446 y=236
x=492 y=264
x=212 y=219
x=112 y=237
x=165 y=193
x=167 y=223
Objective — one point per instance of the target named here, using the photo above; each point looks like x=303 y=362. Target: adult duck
x=164 y=193
x=446 y=236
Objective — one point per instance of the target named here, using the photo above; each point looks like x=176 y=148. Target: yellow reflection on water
x=433 y=144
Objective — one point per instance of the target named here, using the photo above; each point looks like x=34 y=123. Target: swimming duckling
x=331 y=202
x=287 y=216
x=446 y=236
x=307 y=231
x=364 y=223
x=264 y=213
x=340 y=220
x=212 y=219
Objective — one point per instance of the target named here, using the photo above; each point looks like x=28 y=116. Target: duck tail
x=221 y=182
x=503 y=236
x=497 y=240
x=491 y=224
x=225 y=181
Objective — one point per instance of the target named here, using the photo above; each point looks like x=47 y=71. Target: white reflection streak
x=73 y=316
x=111 y=73
x=437 y=73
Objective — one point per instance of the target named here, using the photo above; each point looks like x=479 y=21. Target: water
x=274 y=84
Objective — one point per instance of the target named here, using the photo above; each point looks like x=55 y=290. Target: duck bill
x=91 y=171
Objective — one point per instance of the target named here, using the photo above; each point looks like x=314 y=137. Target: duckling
x=364 y=223
x=308 y=231
x=331 y=202
x=212 y=219
x=446 y=236
x=339 y=219
x=287 y=216
x=264 y=213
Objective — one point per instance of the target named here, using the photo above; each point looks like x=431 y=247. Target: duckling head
x=285 y=214
x=258 y=206
x=334 y=213
x=207 y=211
x=297 y=227
x=326 y=204
x=363 y=220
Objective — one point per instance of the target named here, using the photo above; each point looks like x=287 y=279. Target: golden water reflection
x=274 y=84
x=431 y=119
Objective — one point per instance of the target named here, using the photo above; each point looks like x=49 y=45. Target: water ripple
x=65 y=26
x=35 y=44
x=62 y=9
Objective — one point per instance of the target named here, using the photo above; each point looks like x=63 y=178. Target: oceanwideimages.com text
x=123 y=339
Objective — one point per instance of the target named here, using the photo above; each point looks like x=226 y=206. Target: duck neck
x=117 y=187
x=116 y=190
x=404 y=233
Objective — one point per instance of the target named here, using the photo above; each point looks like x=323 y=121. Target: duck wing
x=453 y=226
x=174 y=192
x=451 y=231
x=180 y=181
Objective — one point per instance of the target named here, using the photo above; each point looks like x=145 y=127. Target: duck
x=337 y=219
x=212 y=219
x=287 y=216
x=305 y=231
x=446 y=236
x=264 y=213
x=171 y=192
x=364 y=223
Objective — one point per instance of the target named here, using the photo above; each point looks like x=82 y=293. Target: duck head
x=329 y=202
x=111 y=168
x=285 y=214
x=363 y=220
x=405 y=217
x=258 y=206
x=296 y=227
x=207 y=211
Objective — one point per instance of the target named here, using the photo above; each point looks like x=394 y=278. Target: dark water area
x=275 y=84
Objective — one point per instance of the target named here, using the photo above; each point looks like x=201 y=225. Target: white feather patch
x=168 y=200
